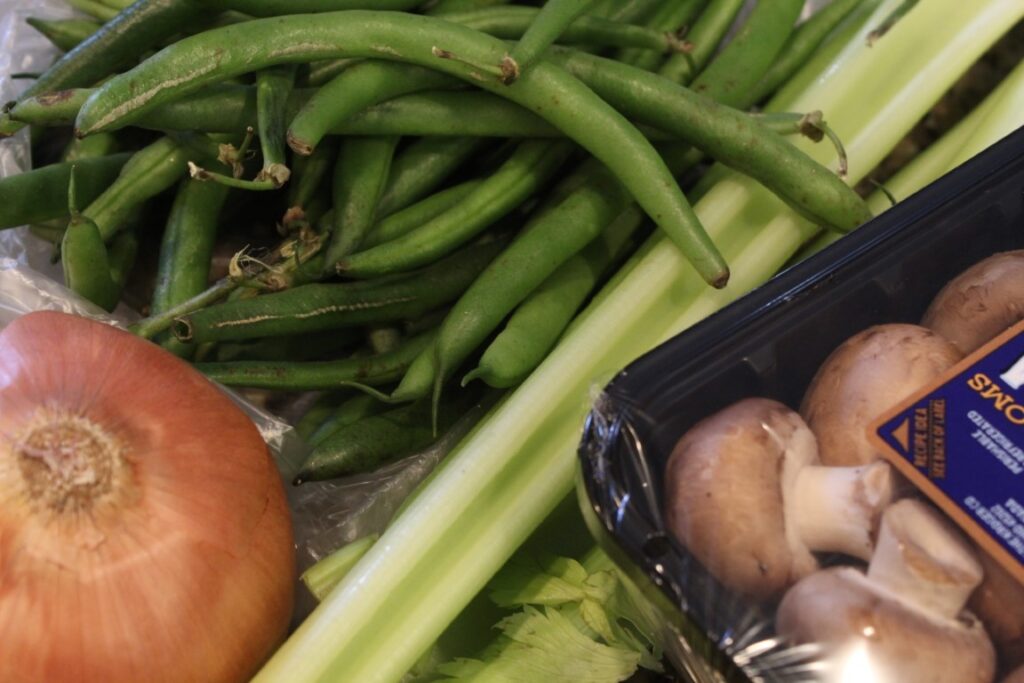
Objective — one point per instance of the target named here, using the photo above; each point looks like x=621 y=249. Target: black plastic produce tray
x=770 y=343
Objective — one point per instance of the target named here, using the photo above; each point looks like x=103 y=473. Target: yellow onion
x=144 y=534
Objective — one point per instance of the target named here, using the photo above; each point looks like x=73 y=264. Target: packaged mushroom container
x=825 y=480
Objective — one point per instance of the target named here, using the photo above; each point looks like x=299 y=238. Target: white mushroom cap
x=866 y=376
x=869 y=634
x=746 y=498
x=981 y=302
x=999 y=603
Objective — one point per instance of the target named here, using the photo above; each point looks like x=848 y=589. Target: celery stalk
x=519 y=463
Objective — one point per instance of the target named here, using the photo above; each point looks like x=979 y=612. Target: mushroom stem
x=836 y=509
x=922 y=558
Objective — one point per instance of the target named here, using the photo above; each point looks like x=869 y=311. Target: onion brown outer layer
x=144 y=534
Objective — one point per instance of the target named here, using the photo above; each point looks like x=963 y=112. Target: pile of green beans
x=396 y=203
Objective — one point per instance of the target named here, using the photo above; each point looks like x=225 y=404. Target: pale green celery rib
x=514 y=469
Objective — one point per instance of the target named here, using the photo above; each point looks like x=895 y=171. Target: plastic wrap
x=693 y=462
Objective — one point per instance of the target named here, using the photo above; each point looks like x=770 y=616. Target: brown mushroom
x=999 y=603
x=748 y=498
x=981 y=302
x=1016 y=676
x=868 y=374
x=904 y=620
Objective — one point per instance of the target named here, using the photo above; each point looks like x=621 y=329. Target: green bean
x=315 y=307
x=728 y=135
x=376 y=440
x=365 y=84
x=544 y=245
x=84 y=258
x=383 y=338
x=670 y=17
x=317 y=375
x=408 y=219
x=309 y=176
x=350 y=411
x=64 y=33
x=274 y=8
x=50 y=231
x=455 y=6
x=96 y=10
x=359 y=180
x=40 y=195
x=149 y=172
x=756 y=46
x=626 y=11
x=521 y=176
x=510 y=23
x=322 y=71
x=187 y=250
x=422 y=167
x=296 y=348
x=322 y=408
x=123 y=250
x=545 y=89
x=554 y=18
x=126 y=37
x=92 y=147
x=804 y=41
x=704 y=37
x=228 y=109
x=538 y=322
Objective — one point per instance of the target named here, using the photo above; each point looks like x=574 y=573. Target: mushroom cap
x=1016 y=676
x=981 y=302
x=999 y=603
x=724 y=486
x=861 y=625
x=867 y=375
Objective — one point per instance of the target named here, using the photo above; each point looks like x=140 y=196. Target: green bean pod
x=520 y=177
x=40 y=195
x=92 y=147
x=422 y=167
x=411 y=217
x=309 y=176
x=64 y=33
x=126 y=37
x=545 y=89
x=86 y=263
x=804 y=41
x=96 y=10
x=121 y=254
x=318 y=375
x=354 y=89
x=669 y=17
x=230 y=108
x=273 y=89
x=454 y=6
x=316 y=307
x=360 y=176
x=149 y=172
x=350 y=411
x=551 y=21
x=376 y=440
x=626 y=11
x=538 y=322
x=296 y=348
x=755 y=47
x=728 y=135
x=704 y=37
x=275 y=8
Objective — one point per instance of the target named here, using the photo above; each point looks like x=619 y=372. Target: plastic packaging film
x=825 y=481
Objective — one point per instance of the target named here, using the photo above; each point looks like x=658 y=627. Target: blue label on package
x=961 y=441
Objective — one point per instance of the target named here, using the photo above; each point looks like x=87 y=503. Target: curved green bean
x=92 y=147
x=454 y=6
x=41 y=194
x=669 y=17
x=563 y=101
x=422 y=167
x=551 y=21
x=315 y=307
x=274 y=8
x=728 y=135
x=84 y=258
x=348 y=412
x=360 y=176
x=411 y=217
x=360 y=86
x=295 y=348
x=521 y=176
x=318 y=375
x=309 y=176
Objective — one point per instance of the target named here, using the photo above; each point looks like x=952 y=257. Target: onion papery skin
x=174 y=558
